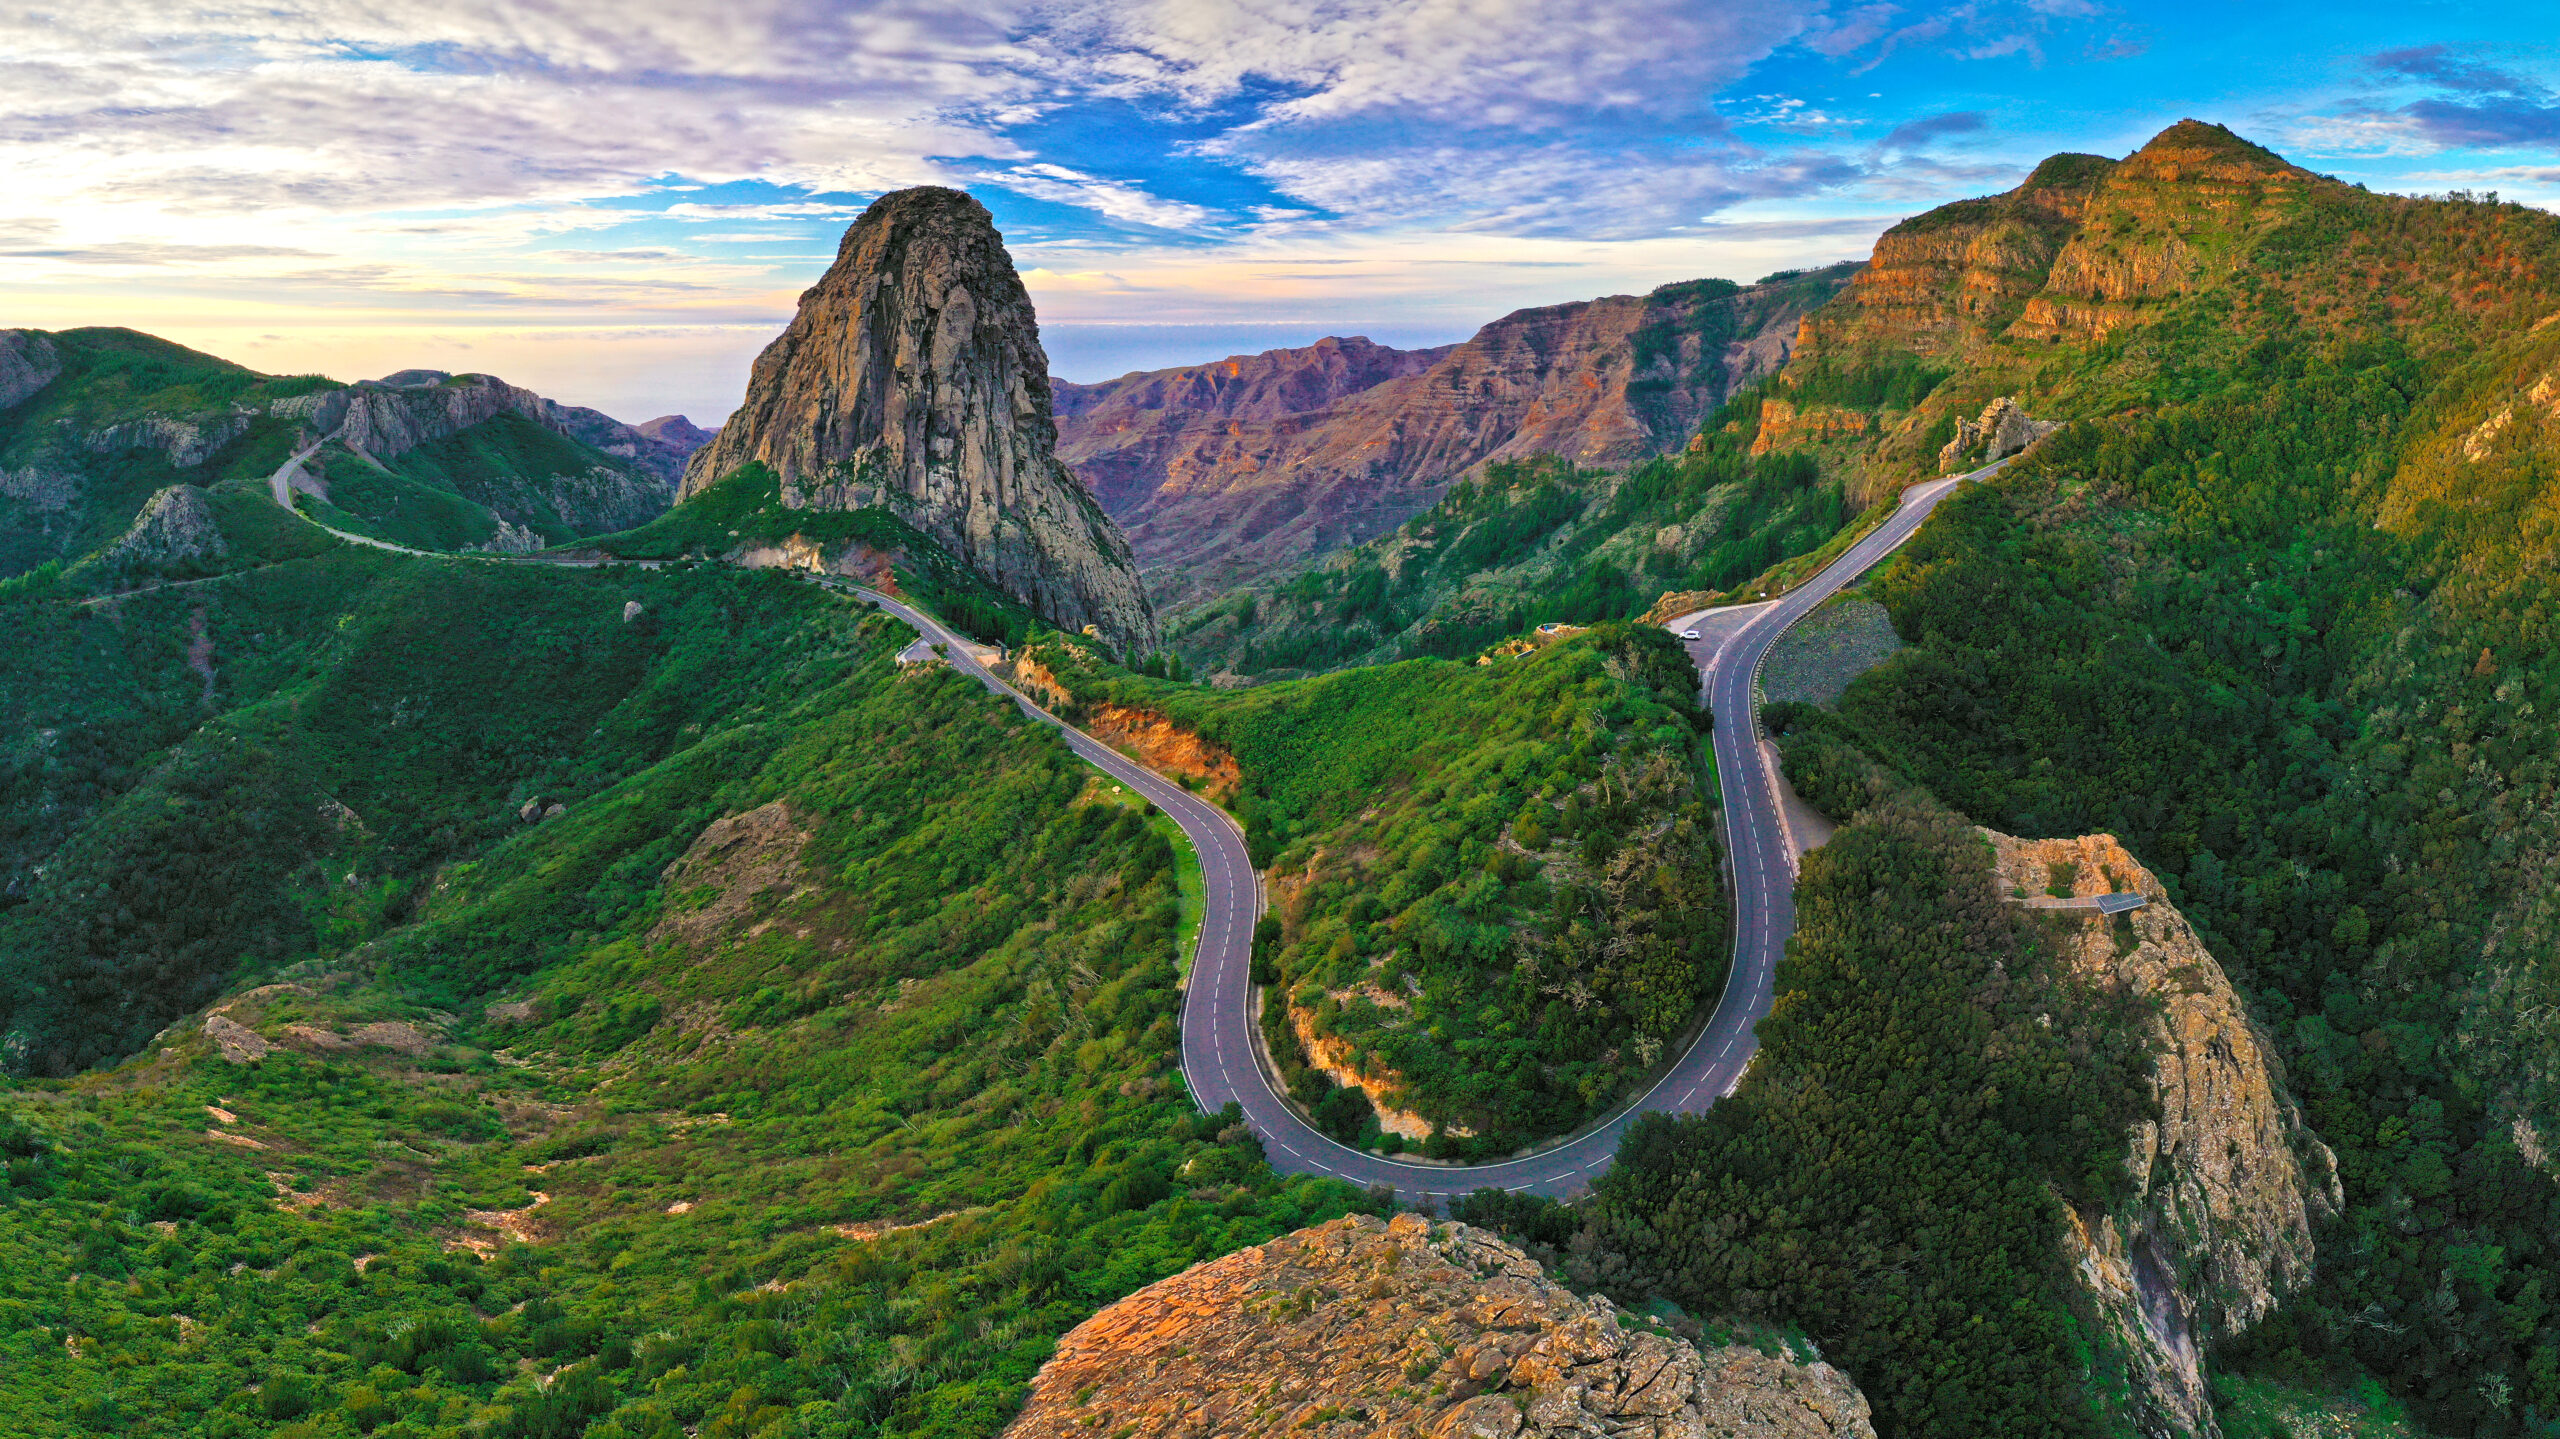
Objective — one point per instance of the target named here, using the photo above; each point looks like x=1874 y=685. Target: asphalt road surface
x=1221 y=1056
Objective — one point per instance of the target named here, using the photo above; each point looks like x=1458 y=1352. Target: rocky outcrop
x=186 y=440
x=1404 y=1329
x=28 y=363
x=2002 y=430
x=176 y=523
x=912 y=378
x=2228 y=1183
x=1943 y=283
x=391 y=416
x=41 y=487
x=1786 y=425
x=1230 y=471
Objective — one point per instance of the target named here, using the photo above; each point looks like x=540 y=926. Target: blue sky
x=618 y=203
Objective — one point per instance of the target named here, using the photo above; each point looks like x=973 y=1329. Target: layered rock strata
x=2228 y=1183
x=913 y=378
x=1234 y=470
x=1404 y=1329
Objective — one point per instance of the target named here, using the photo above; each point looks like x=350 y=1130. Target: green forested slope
x=204 y=779
x=1931 y=1078
x=1530 y=543
x=1498 y=883
x=81 y=455
x=2274 y=613
x=956 y=1006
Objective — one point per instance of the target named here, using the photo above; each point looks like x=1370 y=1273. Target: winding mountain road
x=1221 y=1054
x=1221 y=1046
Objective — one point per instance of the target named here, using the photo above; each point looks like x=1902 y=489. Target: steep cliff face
x=1407 y=1328
x=1942 y=283
x=389 y=417
x=27 y=364
x=912 y=378
x=1226 y=473
x=2230 y=1180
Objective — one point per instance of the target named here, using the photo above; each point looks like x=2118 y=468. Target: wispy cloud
x=1918 y=134
x=2481 y=105
x=1112 y=199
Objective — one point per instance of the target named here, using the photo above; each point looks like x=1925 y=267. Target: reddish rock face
x=1406 y=1329
x=1229 y=471
x=913 y=378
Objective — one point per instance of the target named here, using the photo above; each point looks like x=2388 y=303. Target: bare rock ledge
x=1409 y=1328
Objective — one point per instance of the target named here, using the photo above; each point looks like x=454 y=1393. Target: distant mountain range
x=1232 y=471
x=94 y=423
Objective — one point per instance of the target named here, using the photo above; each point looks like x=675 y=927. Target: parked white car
x=1689 y=634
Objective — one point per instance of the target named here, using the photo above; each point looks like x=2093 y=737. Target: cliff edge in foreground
x=1409 y=1328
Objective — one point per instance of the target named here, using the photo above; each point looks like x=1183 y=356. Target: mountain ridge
x=1219 y=483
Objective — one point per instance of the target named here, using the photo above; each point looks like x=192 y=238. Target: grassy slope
x=510 y=464
x=970 y=1007
x=1532 y=542
x=1392 y=806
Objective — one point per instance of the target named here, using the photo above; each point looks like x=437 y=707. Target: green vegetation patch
x=535 y=477
x=93 y=445
x=2332 y=742
x=1535 y=541
x=367 y=499
x=1497 y=883
x=1932 y=1087
x=201 y=781
x=833 y=1117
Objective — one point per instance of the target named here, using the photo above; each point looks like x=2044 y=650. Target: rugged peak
x=912 y=378
x=2194 y=149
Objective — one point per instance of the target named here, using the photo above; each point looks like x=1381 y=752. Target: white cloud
x=1469 y=62
x=1109 y=198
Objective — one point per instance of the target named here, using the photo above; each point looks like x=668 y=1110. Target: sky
x=617 y=202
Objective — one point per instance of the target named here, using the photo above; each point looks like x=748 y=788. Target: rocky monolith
x=913 y=379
